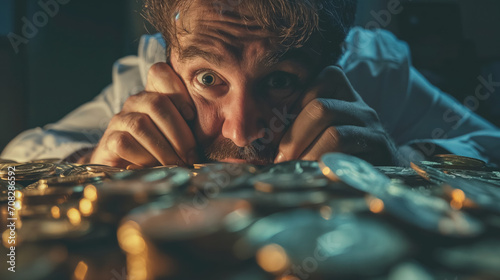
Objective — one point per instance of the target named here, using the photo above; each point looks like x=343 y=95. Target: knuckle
x=335 y=71
x=318 y=109
x=370 y=116
x=118 y=141
x=115 y=120
x=333 y=133
x=373 y=114
x=133 y=101
x=317 y=105
x=135 y=122
x=156 y=103
x=156 y=69
x=331 y=137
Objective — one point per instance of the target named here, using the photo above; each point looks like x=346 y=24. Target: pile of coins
x=339 y=218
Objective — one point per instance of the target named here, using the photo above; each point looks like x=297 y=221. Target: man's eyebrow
x=193 y=52
x=274 y=57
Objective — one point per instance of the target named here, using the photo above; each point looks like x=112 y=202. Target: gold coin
x=452 y=161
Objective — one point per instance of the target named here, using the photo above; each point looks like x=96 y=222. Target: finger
x=163 y=79
x=370 y=145
x=327 y=142
x=123 y=145
x=317 y=116
x=169 y=121
x=134 y=167
x=331 y=83
x=102 y=156
x=142 y=128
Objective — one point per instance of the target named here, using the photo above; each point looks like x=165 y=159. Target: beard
x=256 y=152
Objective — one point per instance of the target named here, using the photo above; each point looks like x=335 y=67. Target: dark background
x=68 y=61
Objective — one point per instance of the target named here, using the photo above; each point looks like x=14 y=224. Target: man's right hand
x=151 y=129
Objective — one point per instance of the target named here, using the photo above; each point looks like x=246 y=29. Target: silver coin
x=176 y=223
x=423 y=211
x=355 y=172
x=131 y=189
x=492 y=177
x=344 y=245
x=430 y=213
x=223 y=176
x=294 y=167
x=73 y=180
x=275 y=182
x=98 y=168
x=396 y=171
x=176 y=176
x=486 y=195
x=233 y=169
x=188 y=233
x=288 y=200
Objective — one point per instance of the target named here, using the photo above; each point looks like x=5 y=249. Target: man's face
x=239 y=96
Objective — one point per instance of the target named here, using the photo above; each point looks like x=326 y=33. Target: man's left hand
x=333 y=118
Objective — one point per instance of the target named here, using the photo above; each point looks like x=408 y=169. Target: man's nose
x=243 y=123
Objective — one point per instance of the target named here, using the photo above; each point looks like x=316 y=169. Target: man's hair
x=293 y=21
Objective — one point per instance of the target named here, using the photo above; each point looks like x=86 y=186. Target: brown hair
x=293 y=21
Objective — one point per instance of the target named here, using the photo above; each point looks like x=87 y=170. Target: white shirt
x=378 y=65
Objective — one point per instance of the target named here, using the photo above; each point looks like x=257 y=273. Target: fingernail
x=192 y=157
x=188 y=112
x=280 y=158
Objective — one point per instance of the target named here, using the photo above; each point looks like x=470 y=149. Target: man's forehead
x=268 y=58
x=217 y=34
x=220 y=38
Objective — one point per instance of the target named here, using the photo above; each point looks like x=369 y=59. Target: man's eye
x=280 y=81
x=208 y=79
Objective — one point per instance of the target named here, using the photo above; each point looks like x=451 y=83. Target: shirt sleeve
x=444 y=122
x=83 y=127
x=413 y=111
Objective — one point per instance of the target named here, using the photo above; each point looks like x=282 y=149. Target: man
x=255 y=81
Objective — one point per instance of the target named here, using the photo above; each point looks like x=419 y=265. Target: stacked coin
x=294 y=167
x=73 y=180
x=269 y=182
x=302 y=244
x=175 y=238
x=485 y=195
x=491 y=177
x=89 y=169
x=222 y=177
x=423 y=211
x=28 y=171
x=6 y=162
x=130 y=189
x=457 y=162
